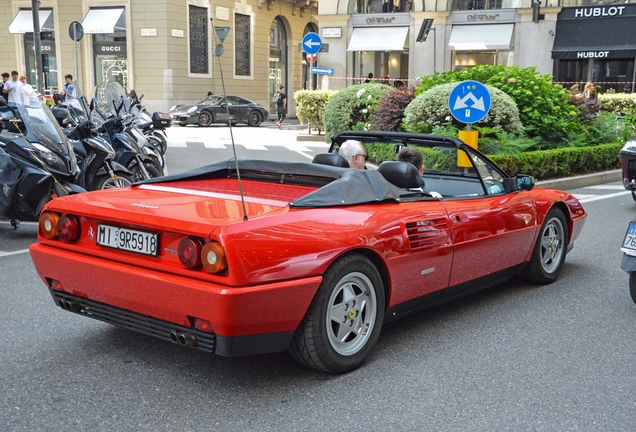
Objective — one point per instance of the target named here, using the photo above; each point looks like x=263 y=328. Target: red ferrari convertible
x=250 y=256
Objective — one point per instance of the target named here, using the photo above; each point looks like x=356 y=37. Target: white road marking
x=600 y=197
x=213 y=145
x=254 y=146
x=21 y=251
x=584 y=196
x=607 y=187
x=308 y=156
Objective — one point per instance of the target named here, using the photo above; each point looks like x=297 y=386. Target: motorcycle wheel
x=152 y=169
x=106 y=182
x=158 y=141
x=634 y=194
x=632 y=286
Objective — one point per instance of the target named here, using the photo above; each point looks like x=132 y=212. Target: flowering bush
x=544 y=107
x=389 y=113
x=310 y=105
x=353 y=107
x=430 y=110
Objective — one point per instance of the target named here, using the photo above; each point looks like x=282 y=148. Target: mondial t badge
x=91 y=233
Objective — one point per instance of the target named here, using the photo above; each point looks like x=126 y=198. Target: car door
x=236 y=107
x=491 y=229
x=220 y=110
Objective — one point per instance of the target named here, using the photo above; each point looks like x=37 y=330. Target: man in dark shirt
x=281 y=105
x=5 y=78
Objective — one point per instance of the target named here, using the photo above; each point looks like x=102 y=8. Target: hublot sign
x=592 y=54
x=599 y=11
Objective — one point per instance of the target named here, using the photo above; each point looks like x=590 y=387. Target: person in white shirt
x=27 y=90
x=13 y=88
x=414 y=157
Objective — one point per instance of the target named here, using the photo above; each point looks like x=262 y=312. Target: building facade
x=385 y=38
x=164 y=49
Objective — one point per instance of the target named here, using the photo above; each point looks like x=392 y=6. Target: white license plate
x=142 y=242
x=629 y=243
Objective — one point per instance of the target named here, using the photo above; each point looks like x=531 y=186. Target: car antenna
x=221 y=33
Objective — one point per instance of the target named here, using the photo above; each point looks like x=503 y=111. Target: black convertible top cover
x=339 y=186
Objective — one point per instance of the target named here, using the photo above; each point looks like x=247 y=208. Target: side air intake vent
x=427 y=233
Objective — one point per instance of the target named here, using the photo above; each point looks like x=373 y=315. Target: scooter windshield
x=111 y=99
x=40 y=126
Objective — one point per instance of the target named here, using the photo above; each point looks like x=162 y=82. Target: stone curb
x=581 y=181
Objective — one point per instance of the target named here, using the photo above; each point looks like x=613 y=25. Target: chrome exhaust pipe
x=174 y=337
x=187 y=339
x=71 y=306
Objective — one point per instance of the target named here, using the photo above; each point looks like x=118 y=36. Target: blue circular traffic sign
x=311 y=43
x=469 y=101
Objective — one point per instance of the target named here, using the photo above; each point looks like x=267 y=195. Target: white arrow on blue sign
x=322 y=71
x=469 y=101
x=311 y=43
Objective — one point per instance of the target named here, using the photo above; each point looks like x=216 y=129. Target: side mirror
x=397 y=148
x=92 y=105
x=519 y=182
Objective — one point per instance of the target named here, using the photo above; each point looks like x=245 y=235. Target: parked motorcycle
x=629 y=257
x=116 y=102
x=153 y=127
x=37 y=161
x=628 y=166
x=127 y=151
x=95 y=156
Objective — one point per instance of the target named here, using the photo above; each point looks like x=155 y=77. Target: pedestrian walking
x=280 y=99
x=5 y=78
x=26 y=91
x=13 y=88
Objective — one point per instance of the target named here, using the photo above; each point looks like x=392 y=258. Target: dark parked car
x=213 y=109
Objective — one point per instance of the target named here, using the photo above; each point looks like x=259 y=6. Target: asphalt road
x=516 y=357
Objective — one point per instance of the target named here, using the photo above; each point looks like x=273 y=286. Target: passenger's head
x=412 y=156
x=22 y=79
x=353 y=151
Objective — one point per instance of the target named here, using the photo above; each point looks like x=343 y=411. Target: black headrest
x=402 y=174
x=332 y=159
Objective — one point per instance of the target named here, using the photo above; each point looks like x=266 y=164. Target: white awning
x=481 y=37
x=102 y=20
x=378 y=39
x=23 y=21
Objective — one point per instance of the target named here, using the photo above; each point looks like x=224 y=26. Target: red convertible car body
x=304 y=257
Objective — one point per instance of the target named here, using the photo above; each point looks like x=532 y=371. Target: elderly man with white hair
x=353 y=151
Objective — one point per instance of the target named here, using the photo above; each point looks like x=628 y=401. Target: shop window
x=242 y=45
x=380 y=6
x=613 y=76
x=458 y=5
x=199 y=52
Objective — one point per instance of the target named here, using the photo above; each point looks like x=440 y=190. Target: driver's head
x=412 y=156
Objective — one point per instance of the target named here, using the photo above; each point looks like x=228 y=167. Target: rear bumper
x=249 y=320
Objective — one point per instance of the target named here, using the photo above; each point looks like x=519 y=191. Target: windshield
x=211 y=100
x=41 y=126
x=109 y=98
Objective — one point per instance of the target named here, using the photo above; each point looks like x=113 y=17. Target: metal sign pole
x=37 y=44
x=76 y=59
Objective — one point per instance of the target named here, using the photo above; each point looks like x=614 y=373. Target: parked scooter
x=37 y=161
x=628 y=166
x=153 y=127
x=629 y=257
x=94 y=154
x=127 y=152
x=116 y=101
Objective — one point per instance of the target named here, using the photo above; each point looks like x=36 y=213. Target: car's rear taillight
x=48 y=225
x=190 y=252
x=68 y=228
x=213 y=257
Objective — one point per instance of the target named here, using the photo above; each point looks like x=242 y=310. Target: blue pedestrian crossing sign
x=469 y=101
x=311 y=43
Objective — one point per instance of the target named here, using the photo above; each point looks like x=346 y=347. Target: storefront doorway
x=277 y=60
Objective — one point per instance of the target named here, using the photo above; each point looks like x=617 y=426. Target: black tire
x=343 y=344
x=254 y=118
x=634 y=194
x=632 y=286
x=152 y=169
x=157 y=144
x=105 y=182
x=206 y=118
x=549 y=252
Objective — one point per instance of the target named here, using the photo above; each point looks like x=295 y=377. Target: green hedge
x=615 y=103
x=562 y=162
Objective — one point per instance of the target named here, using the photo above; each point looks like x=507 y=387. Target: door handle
x=460 y=218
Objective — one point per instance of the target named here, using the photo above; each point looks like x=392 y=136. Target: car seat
x=332 y=159
x=401 y=174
